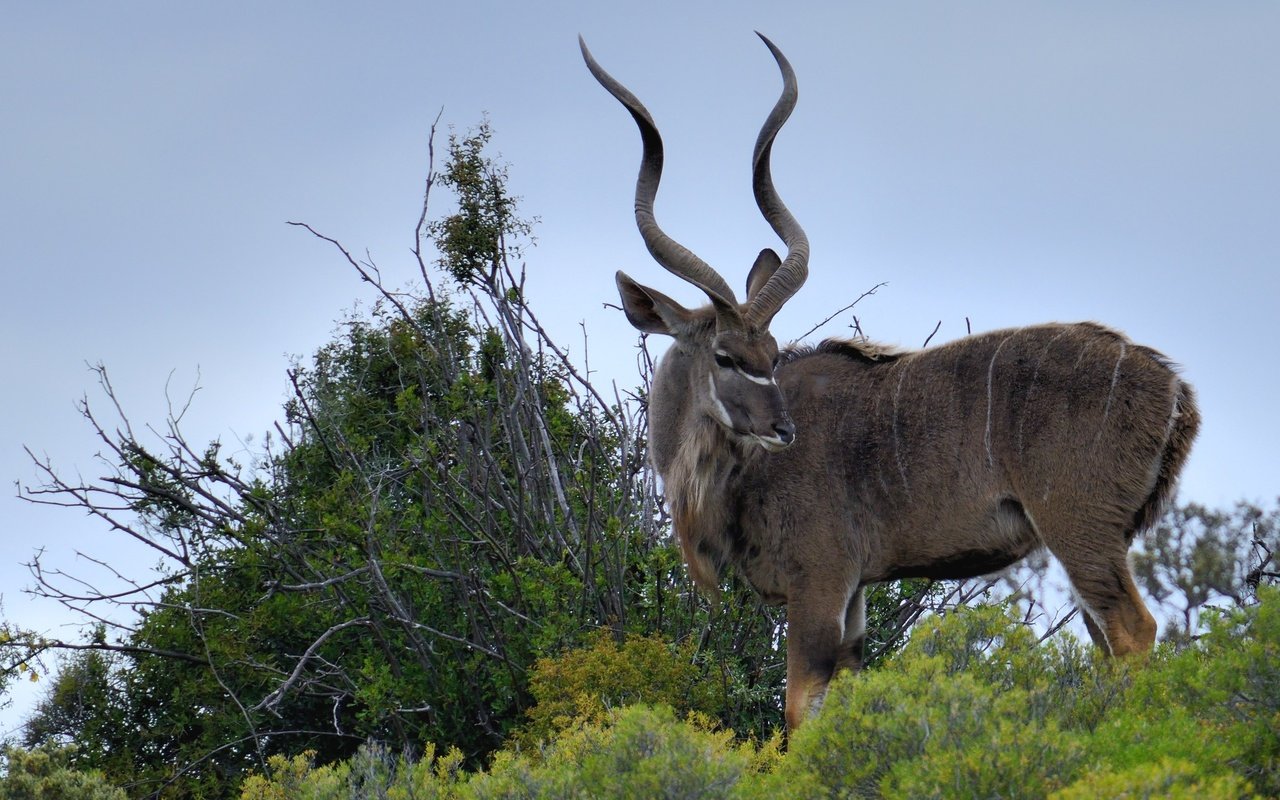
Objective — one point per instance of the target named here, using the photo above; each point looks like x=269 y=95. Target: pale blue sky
x=1007 y=162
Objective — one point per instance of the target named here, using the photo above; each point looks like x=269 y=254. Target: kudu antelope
x=816 y=471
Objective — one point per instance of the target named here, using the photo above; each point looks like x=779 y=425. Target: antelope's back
x=1062 y=418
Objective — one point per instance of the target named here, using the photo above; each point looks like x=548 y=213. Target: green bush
x=45 y=774
x=1166 y=779
x=583 y=685
x=961 y=711
x=370 y=773
x=638 y=752
x=974 y=706
x=1216 y=703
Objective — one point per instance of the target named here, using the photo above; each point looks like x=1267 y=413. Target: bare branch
x=929 y=338
x=272 y=700
x=840 y=311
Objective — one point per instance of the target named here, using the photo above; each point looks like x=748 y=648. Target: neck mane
x=700 y=482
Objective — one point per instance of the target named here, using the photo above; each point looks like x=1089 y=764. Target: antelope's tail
x=1184 y=423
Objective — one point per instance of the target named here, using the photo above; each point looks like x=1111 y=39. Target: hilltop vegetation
x=974 y=706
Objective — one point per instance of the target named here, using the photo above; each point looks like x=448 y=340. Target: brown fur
x=857 y=349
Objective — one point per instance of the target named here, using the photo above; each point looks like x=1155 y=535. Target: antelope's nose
x=786 y=431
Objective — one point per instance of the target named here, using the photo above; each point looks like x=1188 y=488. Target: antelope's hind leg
x=1117 y=619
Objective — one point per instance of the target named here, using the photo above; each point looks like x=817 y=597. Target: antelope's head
x=727 y=353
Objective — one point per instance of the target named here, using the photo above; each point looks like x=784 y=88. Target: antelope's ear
x=651 y=311
x=766 y=264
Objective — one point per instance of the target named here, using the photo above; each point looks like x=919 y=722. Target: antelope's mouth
x=772 y=444
x=782 y=436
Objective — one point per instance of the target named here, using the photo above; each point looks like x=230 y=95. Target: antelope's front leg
x=853 y=642
x=816 y=647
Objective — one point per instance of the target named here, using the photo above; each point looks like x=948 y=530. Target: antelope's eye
x=724 y=361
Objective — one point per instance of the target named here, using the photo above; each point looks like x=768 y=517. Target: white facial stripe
x=717 y=408
x=769 y=381
x=763 y=381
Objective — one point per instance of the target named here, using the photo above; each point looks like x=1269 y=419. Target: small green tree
x=46 y=774
x=485 y=234
x=83 y=706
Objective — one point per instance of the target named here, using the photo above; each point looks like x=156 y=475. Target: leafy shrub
x=583 y=685
x=973 y=707
x=370 y=773
x=640 y=751
x=1166 y=779
x=1216 y=703
x=44 y=774
x=960 y=711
